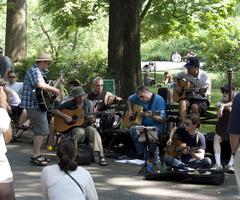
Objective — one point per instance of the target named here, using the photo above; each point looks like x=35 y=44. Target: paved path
x=116 y=181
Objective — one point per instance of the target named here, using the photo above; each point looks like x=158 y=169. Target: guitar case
x=202 y=176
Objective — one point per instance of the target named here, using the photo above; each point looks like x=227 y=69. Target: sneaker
x=217 y=167
x=229 y=169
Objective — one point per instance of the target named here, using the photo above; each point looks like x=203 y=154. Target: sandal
x=39 y=161
x=102 y=161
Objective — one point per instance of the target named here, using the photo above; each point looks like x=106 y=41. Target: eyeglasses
x=12 y=76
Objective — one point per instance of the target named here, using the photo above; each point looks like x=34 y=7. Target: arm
x=62 y=115
x=222 y=107
x=5 y=118
x=172 y=133
x=45 y=86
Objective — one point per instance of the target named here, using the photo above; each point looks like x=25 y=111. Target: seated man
x=101 y=100
x=224 y=107
x=191 y=154
x=85 y=131
x=153 y=107
x=193 y=89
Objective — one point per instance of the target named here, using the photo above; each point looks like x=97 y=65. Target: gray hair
x=97 y=79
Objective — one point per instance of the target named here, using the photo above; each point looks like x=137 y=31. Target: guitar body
x=176 y=148
x=78 y=119
x=136 y=119
x=44 y=99
x=182 y=91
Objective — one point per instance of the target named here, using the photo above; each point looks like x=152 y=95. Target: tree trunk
x=124 y=45
x=15 y=39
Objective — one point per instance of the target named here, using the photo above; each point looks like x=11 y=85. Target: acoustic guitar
x=77 y=118
x=177 y=147
x=185 y=89
x=136 y=118
x=45 y=99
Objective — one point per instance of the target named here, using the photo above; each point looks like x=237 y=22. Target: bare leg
x=37 y=143
x=51 y=134
x=7 y=191
x=195 y=108
x=217 y=148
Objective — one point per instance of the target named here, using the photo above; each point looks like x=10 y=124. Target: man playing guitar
x=34 y=79
x=85 y=130
x=192 y=156
x=200 y=83
x=150 y=103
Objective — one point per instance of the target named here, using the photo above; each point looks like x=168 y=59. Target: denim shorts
x=38 y=121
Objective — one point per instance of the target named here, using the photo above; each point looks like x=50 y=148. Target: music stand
x=146 y=165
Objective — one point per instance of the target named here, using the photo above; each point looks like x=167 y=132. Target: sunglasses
x=12 y=76
x=1 y=51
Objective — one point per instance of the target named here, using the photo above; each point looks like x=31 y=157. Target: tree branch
x=144 y=12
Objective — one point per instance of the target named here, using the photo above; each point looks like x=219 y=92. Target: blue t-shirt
x=158 y=105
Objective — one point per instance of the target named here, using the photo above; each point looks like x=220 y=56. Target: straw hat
x=44 y=57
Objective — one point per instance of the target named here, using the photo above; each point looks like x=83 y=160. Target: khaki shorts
x=38 y=121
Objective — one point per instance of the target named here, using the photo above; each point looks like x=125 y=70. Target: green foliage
x=183 y=17
x=68 y=16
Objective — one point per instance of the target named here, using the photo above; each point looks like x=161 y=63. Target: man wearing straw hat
x=34 y=79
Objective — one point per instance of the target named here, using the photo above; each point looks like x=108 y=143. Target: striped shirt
x=32 y=78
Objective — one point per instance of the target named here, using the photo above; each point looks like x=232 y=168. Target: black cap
x=192 y=62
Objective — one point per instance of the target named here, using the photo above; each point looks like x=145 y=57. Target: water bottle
x=157 y=160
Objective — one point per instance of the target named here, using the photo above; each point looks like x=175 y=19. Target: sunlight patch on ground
x=170 y=193
x=129 y=181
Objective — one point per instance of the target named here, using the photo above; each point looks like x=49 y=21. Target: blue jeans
x=188 y=162
x=140 y=146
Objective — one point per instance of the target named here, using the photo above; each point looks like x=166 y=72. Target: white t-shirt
x=17 y=87
x=57 y=185
x=5 y=170
x=14 y=99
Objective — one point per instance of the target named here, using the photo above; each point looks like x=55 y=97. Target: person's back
x=65 y=180
x=61 y=187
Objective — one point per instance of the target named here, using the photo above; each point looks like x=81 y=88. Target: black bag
x=84 y=154
x=110 y=120
x=204 y=176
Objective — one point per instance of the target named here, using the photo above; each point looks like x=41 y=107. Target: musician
x=101 y=100
x=86 y=131
x=223 y=107
x=198 y=102
x=193 y=156
x=151 y=103
x=34 y=78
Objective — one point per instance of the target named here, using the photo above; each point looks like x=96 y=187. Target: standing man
x=197 y=101
x=150 y=103
x=34 y=79
x=6 y=65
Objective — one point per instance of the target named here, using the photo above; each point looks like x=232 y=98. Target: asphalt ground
x=115 y=181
